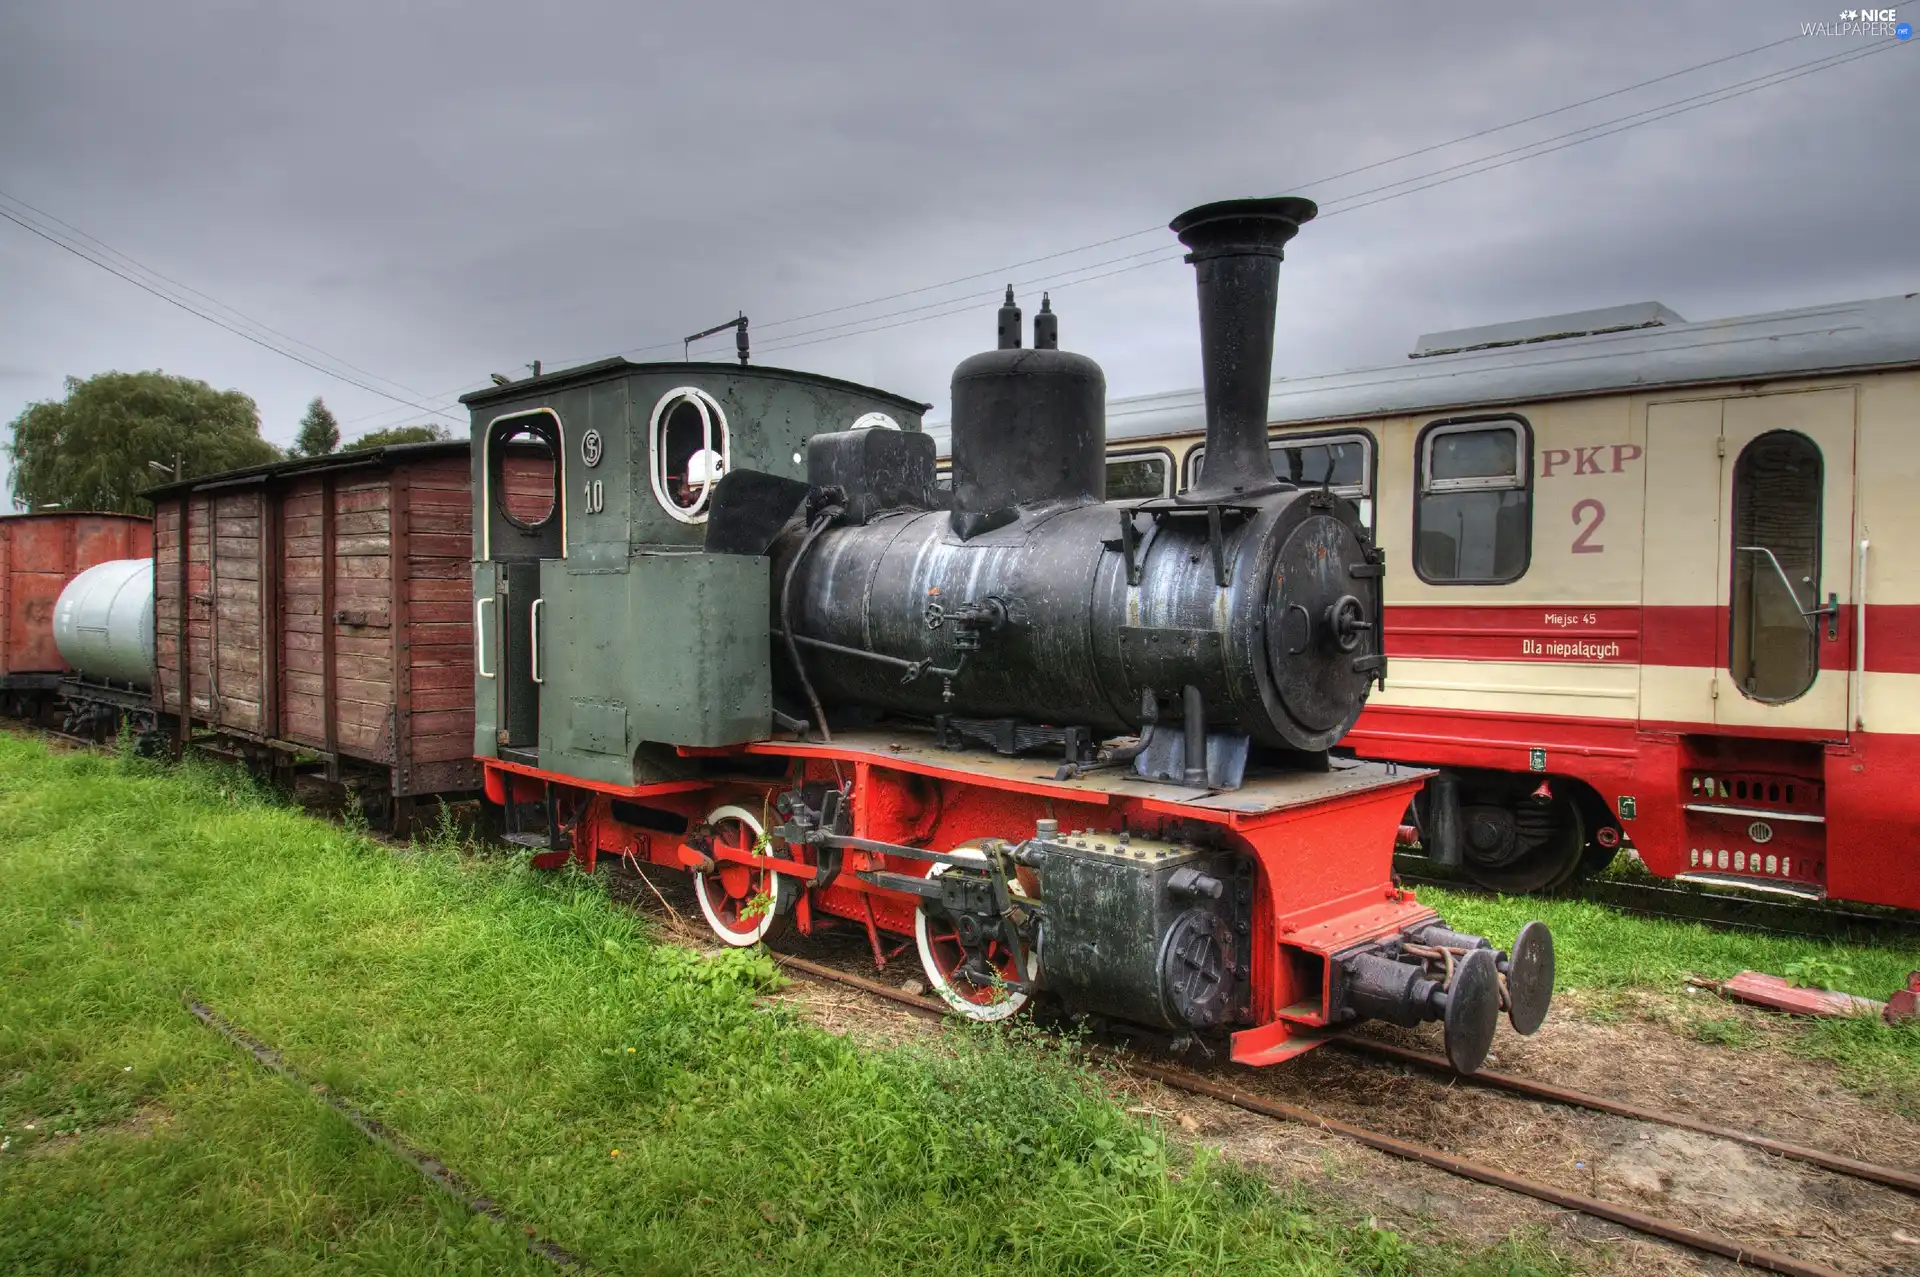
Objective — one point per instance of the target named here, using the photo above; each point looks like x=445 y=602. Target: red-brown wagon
x=327 y=615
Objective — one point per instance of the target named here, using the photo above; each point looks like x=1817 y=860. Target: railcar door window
x=688 y=447
x=1473 y=520
x=1139 y=474
x=1343 y=463
x=1773 y=650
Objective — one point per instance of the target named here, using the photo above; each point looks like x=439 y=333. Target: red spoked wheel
x=943 y=958
x=743 y=904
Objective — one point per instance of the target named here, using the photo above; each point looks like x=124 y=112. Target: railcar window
x=1343 y=463
x=1773 y=651
x=1473 y=521
x=1139 y=474
x=688 y=447
x=943 y=480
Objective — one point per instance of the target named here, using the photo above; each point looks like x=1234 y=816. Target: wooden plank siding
x=329 y=609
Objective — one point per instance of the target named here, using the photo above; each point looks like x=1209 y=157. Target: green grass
x=1603 y=952
x=519 y=1026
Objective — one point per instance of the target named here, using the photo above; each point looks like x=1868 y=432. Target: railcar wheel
x=742 y=904
x=943 y=958
x=1525 y=846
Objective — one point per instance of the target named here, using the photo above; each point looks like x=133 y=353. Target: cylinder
x=103 y=622
x=1236 y=253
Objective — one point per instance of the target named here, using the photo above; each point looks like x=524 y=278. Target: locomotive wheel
x=742 y=904
x=942 y=956
x=1550 y=842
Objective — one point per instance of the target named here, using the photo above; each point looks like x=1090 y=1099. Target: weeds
x=1607 y=953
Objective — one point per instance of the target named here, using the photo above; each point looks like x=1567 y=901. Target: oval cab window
x=528 y=470
x=687 y=443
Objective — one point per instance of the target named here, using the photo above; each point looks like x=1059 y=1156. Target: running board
x=1800 y=891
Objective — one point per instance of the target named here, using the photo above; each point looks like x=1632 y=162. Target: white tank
x=103 y=623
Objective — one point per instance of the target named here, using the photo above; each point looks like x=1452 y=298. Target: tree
x=398 y=434
x=94 y=449
x=319 y=432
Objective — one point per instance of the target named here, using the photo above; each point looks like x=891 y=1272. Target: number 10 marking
x=596 y=497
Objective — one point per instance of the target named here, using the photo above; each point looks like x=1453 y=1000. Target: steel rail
x=435 y=1171
x=1891 y=1176
x=1650 y=1225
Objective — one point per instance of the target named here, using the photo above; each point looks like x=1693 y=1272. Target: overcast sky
x=435 y=191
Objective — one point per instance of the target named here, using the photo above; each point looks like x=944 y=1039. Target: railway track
x=1191 y=1082
x=1732 y=911
x=1667 y=1230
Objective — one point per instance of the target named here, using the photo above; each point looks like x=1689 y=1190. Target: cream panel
x=1823 y=706
x=1675 y=694
x=1892 y=704
x=1513 y=687
x=1889 y=478
x=1588 y=457
x=1682 y=520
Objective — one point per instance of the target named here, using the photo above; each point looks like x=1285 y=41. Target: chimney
x=1235 y=247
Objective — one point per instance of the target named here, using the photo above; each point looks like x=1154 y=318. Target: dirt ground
x=1713 y=1185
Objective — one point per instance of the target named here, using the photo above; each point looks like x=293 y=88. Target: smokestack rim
x=1243 y=227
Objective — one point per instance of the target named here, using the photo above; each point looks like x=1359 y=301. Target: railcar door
x=1749 y=520
x=1786 y=526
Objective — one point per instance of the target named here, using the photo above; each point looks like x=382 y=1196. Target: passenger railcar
x=1649 y=581
x=1061 y=745
x=39 y=554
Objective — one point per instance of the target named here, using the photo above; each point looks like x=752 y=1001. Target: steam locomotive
x=725 y=620
x=1064 y=747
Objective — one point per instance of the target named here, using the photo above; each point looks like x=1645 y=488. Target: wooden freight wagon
x=327 y=613
x=39 y=554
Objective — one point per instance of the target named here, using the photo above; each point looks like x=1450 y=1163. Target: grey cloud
x=436 y=192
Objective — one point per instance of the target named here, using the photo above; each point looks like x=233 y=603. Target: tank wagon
x=1062 y=746
x=1651 y=583
x=39 y=554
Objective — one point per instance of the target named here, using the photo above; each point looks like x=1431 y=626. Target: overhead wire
x=133 y=264
x=125 y=267
x=946 y=307
x=1533 y=150
x=213 y=319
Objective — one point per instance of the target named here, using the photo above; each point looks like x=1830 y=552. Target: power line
x=1679 y=107
x=112 y=269
x=140 y=267
x=955 y=305
x=1157 y=228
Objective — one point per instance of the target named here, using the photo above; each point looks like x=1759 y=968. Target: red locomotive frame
x=1321 y=842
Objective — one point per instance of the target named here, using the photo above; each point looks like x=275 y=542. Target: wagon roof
x=347 y=459
x=605 y=369
x=1835 y=338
